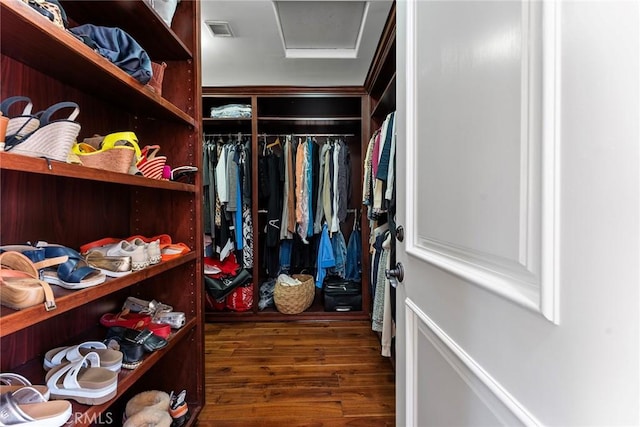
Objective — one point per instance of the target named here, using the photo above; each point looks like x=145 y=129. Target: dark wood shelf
x=126 y=377
x=72 y=204
x=270 y=315
x=311 y=119
x=32 y=39
x=209 y=121
x=387 y=102
x=138 y=19
x=315 y=312
x=33 y=165
x=66 y=300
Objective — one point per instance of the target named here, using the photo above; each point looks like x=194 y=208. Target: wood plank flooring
x=294 y=374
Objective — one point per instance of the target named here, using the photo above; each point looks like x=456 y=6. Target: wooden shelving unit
x=293 y=110
x=71 y=205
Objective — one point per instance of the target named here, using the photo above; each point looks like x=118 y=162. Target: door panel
x=444 y=373
x=469 y=54
x=518 y=183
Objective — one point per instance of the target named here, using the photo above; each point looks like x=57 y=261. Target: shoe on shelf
x=20 y=286
x=137 y=321
x=149 y=408
x=27 y=407
x=73 y=274
x=123 y=248
x=112 y=266
x=83 y=381
x=178 y=409
x=174 y=319
x=109 y=358
x=149 y=341
x=174 y=250
x=138 y=305
x=10 y=382
x=151 y=250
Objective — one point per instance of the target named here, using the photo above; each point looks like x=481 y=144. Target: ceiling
x=290 y=43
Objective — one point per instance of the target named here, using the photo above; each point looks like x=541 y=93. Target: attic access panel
x=321 y=29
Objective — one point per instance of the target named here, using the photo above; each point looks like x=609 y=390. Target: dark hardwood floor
x=321 y=374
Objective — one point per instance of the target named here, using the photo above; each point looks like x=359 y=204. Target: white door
x=518 y=125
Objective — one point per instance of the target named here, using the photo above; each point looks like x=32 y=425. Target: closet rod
x=278 y=134
x=213 y=135
x=309 y=134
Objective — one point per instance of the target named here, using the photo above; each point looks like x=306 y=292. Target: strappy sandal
x=151 y=165
x=125 y=319
x=83 y=381
x=53 y=138
x=73 y=274
x=21 y=125
x=10 y=382
x=19 y=284
x=109 y=358
x=27 y=407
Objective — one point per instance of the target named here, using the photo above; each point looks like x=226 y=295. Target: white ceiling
x=291 y=43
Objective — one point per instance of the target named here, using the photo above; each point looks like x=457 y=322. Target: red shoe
x=137 y=321
x=126 y=319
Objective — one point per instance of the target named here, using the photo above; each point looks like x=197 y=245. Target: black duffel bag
x=340 y=294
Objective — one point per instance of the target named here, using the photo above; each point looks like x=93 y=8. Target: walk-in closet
x=250 y=205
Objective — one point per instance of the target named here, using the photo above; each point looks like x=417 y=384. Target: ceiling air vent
x=219 y=28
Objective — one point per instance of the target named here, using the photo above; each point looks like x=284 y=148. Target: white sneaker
x=144 y=246
x=153 y=250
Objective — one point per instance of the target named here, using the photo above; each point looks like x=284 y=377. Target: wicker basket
x=294 y=299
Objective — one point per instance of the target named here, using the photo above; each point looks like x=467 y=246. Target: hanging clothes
x=326 y=258
x=353 y=265
x=227 y=194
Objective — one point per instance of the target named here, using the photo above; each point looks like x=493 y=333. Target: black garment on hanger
x=274 y=204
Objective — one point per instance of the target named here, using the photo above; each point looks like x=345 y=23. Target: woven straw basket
x=295 y=299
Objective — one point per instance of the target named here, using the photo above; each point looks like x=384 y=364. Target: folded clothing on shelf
x=231 y=111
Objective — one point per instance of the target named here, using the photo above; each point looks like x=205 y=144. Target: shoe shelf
x=156 y=38
x=16 y=162
x=14 y=320
x=33 y=40
x=86 y=415
x=72 y=204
